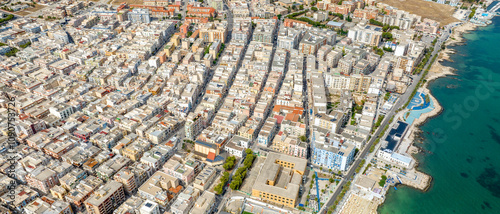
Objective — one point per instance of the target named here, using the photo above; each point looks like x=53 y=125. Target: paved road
x=228 y=194
x=402 y=100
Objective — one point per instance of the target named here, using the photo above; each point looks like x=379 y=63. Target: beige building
x=279 y=179
x=157 y=186
x=204 y=204
x=106 y=199
x=214 y=31
x=360 y=83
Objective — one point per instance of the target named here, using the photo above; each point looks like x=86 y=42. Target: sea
x=462 y=144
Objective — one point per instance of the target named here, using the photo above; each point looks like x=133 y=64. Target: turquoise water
x=464 y=140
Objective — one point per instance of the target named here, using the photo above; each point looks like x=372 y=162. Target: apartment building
x=330 y=150
x=366 y=34
x=106 y=199
x=139 y=15
x=213 y=31
x=157 y=188
x=42 y=179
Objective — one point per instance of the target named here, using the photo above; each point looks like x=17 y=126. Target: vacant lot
x=23 y=13
x=36 y=8
x=129 y=2
x=432 y=10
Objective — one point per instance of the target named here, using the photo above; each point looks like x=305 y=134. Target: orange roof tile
x=211 y=156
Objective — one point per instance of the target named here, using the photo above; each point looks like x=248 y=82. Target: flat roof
x=287 y=180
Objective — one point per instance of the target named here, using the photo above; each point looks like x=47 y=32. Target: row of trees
x=375 y=22
x=341 y=16
x=222 y=46
x=341 y=195
x=293 y=15
x=223 y=180
x=241 y=172
x=311 y=22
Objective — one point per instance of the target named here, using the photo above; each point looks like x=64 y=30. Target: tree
x=331 y=180
x=387 y=96
x=375 y=22
x=301 y=7
x=228 y=166
x=279 y=16
x=230 y=162
x=388 y=49
x=382 y=180
x=248 y=151
x=179 y=16
x=349 y=19
x=473 y=9
x=236 y=183
x=294 y=7
x=387 y=35
x=314 y=9
x=224 y=178
x=303 y=138
x=218 y=188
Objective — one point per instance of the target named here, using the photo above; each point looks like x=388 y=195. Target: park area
x=427 y=9
x=321 y=188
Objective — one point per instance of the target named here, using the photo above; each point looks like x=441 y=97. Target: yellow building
x=280 y=179
x=205 y=148
x=58 y=192
x=176 y=40
x=169 y=48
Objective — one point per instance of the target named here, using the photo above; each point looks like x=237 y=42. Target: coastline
x=436 y=71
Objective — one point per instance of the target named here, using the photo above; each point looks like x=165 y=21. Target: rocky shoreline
x=436 y=71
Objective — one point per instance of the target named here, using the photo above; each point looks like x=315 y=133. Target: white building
x=149 y=207
x=204 y=204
